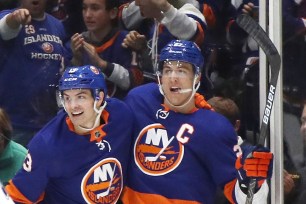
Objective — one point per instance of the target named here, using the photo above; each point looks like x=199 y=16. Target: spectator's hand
x=251 y=10
x=77 y=43
x=135 y=41
x=288 y=183
x=93 y=56
x=254 y=163
x=18 y=17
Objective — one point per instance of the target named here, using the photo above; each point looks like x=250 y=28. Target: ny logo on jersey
x=103 y=182
x=156 y=153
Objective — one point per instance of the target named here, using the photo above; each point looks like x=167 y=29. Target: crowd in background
x=125 y=45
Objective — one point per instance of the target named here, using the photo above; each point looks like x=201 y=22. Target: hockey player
x=182 y=153
x=81 y=155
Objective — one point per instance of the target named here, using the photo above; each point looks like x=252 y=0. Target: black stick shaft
x=248 y=24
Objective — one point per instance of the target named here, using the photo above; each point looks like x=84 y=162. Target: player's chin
x=176 y=100
x=76 y=119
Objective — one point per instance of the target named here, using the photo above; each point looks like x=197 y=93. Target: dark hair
x=6 y=128
x=225 y=106
x=110 y=4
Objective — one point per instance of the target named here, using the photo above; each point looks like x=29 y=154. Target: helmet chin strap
x=194 y=89
x=97 y=121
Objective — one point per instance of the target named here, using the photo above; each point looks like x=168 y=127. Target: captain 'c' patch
x=103 y=183
x=155 y=152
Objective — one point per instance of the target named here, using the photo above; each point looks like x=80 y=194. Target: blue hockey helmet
x=184 y=51
x=83 y=77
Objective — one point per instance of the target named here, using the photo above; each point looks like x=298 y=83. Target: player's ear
x=100 y=98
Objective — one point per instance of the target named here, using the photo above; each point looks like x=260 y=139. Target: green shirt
x=11 y=160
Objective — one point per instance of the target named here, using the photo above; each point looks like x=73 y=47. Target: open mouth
x=175 y=89
x=76 y=114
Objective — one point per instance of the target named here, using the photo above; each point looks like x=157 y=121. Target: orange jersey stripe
x=131 y=197
x=228 y=190
x=107 y=44
x=17 y=196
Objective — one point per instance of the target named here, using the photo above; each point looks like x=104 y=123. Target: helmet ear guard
x=96 y=94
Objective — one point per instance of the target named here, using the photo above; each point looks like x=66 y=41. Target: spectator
x=182 y=153
x=100 y=45
x=32 y=54
x=297 y=195
x=228 y=108
x=81 y=155
x=12 y=154
x=155 y=23
x=300 y=199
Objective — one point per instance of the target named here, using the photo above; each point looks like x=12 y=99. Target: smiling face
x=79 y=107
x=36 y=7
x=177 y=83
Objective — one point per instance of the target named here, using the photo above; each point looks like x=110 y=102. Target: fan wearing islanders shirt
x=81 y=155
x=182 y=153
x=32 y=52
x=100 y=45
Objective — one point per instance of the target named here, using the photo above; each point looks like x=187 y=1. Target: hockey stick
x=160 y=152
x=248 y=24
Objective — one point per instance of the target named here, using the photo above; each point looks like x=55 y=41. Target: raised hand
x=18 y=17
x=77 y=43
x=94 y=58
x=135 y=41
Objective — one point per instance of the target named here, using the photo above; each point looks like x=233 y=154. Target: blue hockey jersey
x=178 y=158
x=64 y=167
